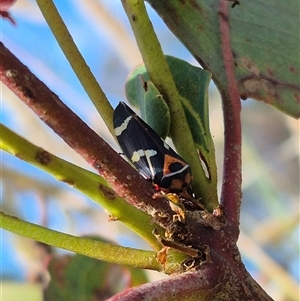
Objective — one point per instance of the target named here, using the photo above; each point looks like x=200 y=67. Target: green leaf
x=142 y=93
x=263 y=38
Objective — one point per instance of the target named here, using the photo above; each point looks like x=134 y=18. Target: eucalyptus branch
x=232 y=174
x=160 y=75
x=82 y=180
x=85 y=246
x=77 y=62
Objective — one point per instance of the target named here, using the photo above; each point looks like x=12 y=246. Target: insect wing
x=134 y=141
x=153 y=158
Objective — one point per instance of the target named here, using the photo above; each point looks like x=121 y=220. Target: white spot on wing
x=137 y=155
x=140 y=153
x=165 y=144
x=119 y=130
x=147 y=153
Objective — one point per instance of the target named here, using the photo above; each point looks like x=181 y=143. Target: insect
x=154 y=159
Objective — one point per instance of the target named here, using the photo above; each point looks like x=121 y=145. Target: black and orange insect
x=154 y=159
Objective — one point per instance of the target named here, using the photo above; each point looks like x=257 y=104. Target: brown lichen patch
x=20 y=156
x=112 y=218
x=195 y=5
x=69 y=182
x=292 y=69
x=248 y=64
x=169 y=8
x=255 y=85
x=108 y=192
x=270 y=72
x=43 y=157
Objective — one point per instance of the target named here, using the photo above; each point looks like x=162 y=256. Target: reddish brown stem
x=232 y=176
x=34 y=93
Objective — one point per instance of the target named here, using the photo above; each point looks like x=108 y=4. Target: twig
x=160 y=75
x=232 y=176
x=85 y=246
x=77 y=62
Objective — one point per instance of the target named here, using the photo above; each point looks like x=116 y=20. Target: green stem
x=84 y=181
x=77 y=62
x=85 y=246
x=161 y=76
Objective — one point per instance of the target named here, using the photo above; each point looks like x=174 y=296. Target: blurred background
x=269 y=240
